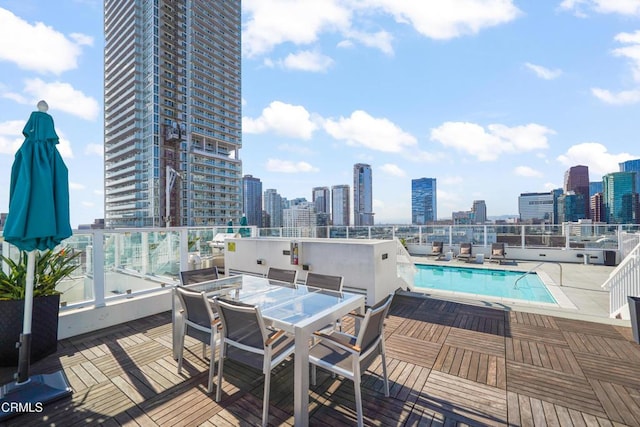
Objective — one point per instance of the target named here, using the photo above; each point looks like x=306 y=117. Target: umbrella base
x=32 y=395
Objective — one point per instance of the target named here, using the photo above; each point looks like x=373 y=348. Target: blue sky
x=493 y=98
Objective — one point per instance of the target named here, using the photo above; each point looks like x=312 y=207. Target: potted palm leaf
x=52 y=266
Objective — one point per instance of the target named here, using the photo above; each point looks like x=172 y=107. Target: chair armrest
x=273 y=337
x=358 y=315
x=348 y=347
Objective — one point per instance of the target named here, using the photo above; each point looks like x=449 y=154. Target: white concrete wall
x=82 y=320
x=359 y=261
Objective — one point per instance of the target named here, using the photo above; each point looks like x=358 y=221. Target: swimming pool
x=488 y=282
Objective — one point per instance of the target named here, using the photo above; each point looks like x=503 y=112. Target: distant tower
x=620 y=198
x=322 y=202
x=576 y=180
x=252 y=198
x=632 y=166
x=362 y=195
x=479 y=210
x=340 y=208
x=423 y=201
x=273 y=206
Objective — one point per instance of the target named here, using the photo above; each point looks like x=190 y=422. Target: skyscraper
x=632 y=166
x=362 y=194
x=172 y=112
x=537 y=207
x=479 y=210
x=424 y=207
x=576 y=180
x=620 y=198
x=340 y=205
x=273 y=206
x=252 y=199
x=321 y=200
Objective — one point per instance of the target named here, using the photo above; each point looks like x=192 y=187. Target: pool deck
x=581 y=284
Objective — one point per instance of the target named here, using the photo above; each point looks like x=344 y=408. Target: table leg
x=301 y=378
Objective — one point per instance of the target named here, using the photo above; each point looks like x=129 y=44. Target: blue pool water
x=495 y=283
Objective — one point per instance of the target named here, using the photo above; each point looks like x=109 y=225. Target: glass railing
x=121 y=263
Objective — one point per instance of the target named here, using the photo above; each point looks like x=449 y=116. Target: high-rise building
x=424 y=207
x=620 y=198
x=362 y=194
x=462 y=218
x=576 y=180
x=273 y=206
x=299 y=220
x=571 y=207
x=479 y=210
x=632 y=166
x=597 y=208
x=252 y=199
x=340 y=208
x=536 y=207
x=595 y=187
x=172 y=112
x=321 y=199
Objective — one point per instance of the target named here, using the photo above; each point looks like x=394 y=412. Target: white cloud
x=596 y=156
x=363 y=130
x=631 y=52
x=11 y=136
x=76 y=186
x=38 y=47
x=272 y=22
x=88 y=204
x=283 y=119
x=381 y=40
x=625 y=97
x=622 y=7
x=64 y=146
x=276 y=22
x=307 y=61
x=62 y=96
x=94 y=149
x=489 y=144
x=447 y=19
x=99 y=192
x=286 y=166
x=527 y=171
x=393 y=170
x=542 y=72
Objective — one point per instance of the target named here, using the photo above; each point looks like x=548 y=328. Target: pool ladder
x=515 y=284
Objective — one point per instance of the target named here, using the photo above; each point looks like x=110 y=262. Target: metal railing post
x=98 y=268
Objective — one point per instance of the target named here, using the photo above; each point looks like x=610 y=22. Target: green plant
x=51 y=267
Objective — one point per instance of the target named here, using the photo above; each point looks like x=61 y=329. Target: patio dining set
x=262 y=322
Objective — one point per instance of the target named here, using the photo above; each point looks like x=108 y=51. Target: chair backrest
x=282 y=275
x=242 y=324
x=465 y=249
x=197 y=308
x=497 y=249
x=325 y=281
x=197 y=276
x=436 y=247
x=373 y=323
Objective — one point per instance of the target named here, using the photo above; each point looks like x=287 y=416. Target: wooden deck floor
x=449 y=364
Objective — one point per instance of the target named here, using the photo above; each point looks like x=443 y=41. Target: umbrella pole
x=28 y=394
x=24 y=358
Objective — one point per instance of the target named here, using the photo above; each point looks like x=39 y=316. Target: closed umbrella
x=230 y=226
x=244 y=231
x=38 y=219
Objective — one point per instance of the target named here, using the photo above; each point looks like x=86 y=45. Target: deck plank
x=449 y=364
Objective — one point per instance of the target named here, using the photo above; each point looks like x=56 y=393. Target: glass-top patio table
x=297 y=309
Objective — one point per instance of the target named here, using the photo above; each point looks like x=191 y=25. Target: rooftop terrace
x=449 y=363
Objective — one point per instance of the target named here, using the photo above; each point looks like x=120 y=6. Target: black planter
x=634 y=312
x=44 y=328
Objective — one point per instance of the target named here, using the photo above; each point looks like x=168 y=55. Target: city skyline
x=483 y=101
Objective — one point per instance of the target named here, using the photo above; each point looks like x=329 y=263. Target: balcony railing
x=121 y=263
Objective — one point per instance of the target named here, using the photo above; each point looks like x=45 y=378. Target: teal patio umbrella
x=230 y=226
x=38 y=219
x=244 y=231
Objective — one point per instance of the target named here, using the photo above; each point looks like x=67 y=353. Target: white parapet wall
x=368 y=266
